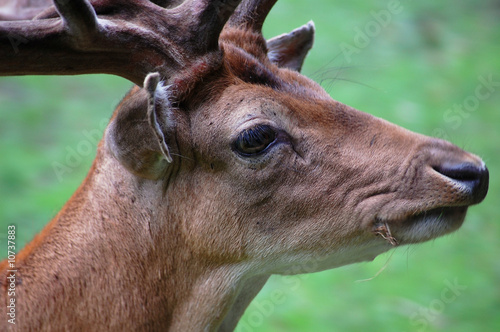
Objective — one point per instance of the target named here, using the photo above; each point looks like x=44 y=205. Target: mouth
x=421 y=226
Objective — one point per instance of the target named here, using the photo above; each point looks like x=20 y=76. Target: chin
x=423 y=226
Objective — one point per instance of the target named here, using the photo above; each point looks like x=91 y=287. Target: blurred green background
x=415 y=63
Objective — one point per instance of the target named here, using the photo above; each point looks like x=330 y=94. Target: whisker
x=181 y=156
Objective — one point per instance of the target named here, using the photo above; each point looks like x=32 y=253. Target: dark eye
x=254 y=140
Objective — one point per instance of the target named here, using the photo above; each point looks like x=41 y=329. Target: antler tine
x=206 y=21
x=251 y=14
x=78 y=15
x=128 y=38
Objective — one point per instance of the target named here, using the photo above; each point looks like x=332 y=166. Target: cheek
x=263 y=172
x=210 y=220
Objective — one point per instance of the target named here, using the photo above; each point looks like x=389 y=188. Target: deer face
x=288 y=174
x=272 y=170
x=305 y=175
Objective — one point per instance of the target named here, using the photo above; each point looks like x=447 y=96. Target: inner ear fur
x=131 y=139
x=289 y=50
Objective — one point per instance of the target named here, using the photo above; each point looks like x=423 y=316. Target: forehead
x=293 y=105
x=253 y=87
x=261 y=71
x=244 y=102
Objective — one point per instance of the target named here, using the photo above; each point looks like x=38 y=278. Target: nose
x=472 y=178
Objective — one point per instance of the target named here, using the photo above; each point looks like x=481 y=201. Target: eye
x=254 y=140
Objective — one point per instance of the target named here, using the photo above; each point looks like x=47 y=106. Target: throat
x=217 y=300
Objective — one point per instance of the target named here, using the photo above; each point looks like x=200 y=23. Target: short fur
x=148 y=245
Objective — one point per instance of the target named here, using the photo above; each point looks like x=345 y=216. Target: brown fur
x=146 y=245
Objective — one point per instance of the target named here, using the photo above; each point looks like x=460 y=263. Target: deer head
x=224 y=164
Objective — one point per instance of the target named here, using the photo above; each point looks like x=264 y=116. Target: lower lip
x=430 y=224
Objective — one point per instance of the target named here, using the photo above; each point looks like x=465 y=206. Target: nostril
x=461 y=172
x=473 y=177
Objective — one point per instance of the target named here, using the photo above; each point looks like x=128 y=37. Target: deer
x=222 y=166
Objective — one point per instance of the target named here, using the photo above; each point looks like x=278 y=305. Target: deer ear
x=134 y=135
x=290 y=49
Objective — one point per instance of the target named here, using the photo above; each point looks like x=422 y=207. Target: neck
x=109 y=260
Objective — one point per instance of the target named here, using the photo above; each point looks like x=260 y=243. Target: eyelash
x=255 y=140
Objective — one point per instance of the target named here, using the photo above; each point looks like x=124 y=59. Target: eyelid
x=263 y=134
x=254 y=122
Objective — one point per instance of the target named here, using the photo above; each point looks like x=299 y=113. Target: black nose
x=474 y=179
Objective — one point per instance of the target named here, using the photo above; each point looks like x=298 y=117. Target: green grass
x=412 y=72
